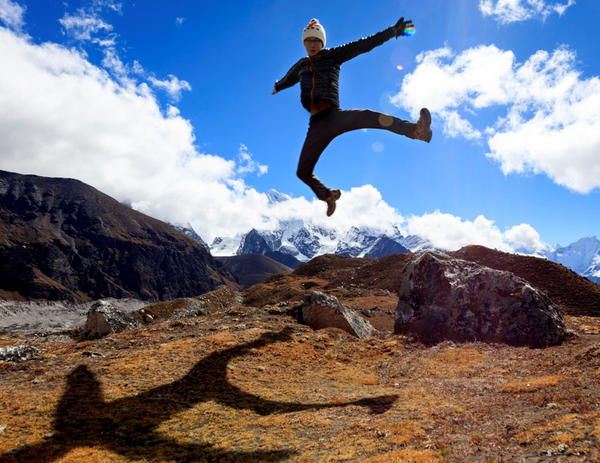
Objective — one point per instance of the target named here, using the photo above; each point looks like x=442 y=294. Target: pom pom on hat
x=314 y=29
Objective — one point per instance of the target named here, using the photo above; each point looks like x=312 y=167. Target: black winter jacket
x=319 y=75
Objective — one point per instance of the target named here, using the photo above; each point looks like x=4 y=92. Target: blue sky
x=167 y=105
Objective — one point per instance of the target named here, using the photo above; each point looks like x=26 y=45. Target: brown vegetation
x=249 y=384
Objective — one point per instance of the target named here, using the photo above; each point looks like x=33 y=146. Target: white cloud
x=450 y=233
x=61 y=116
x=552 y=119
x=88 y=26
x=174 y=87
x=526 y=238
x=508 y=11
x=247 y=165
x=85 y=26
x=11 y=14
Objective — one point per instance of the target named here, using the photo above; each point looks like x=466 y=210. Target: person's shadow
x=128 y=426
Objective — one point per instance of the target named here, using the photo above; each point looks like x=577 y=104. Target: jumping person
x=318 y=74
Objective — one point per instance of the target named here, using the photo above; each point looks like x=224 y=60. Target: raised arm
x=351 y=50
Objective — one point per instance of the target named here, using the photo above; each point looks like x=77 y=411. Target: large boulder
x=442 y=298
x=324 y=311
x=104 y=318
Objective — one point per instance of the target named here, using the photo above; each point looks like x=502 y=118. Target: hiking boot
x=334 y=195
x=423 y=127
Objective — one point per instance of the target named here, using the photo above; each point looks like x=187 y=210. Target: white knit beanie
x=314 y=29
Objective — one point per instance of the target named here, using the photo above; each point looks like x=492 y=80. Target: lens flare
x=410 y=31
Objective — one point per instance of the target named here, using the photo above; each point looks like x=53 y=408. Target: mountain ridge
x=61 y=239
x=297 y=241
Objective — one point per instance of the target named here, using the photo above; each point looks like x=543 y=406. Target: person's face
x=313 y=46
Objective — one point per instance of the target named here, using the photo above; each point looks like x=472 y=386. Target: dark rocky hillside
x=61 y=239
x=251 y=269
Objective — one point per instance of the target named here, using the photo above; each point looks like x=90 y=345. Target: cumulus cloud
x=508 y=11
x=552 y=119
x=448 y=232
x=11 y=14
x=524 y=237
x=61 y=116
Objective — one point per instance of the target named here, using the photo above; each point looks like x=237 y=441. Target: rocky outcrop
x=61 y=239
x=324 y=311
x=104 y=318
x=18 y=353
x=442 y=298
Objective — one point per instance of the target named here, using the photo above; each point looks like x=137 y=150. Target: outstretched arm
x=351 y=50
x=290 y=79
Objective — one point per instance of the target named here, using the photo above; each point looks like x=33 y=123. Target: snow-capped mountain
x=582 y=257
x=191 y=233
x=294 y=242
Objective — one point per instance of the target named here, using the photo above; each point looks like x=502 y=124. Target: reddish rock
x=442 y=298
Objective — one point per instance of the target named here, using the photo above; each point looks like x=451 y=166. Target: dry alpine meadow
x=248 y=383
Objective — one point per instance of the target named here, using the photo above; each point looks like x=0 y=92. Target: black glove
x=401 y=25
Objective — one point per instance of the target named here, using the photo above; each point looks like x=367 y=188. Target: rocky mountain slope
x=583 y=257
x=61 y=239
x=251 y=269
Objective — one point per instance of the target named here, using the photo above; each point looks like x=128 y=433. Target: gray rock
x=104 y=318
x=442 y=298
x=324 y=311
x=18 y=353
x=191 y=308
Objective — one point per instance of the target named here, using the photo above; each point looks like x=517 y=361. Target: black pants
x=328 y=124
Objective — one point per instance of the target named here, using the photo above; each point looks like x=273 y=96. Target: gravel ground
x=51 y=317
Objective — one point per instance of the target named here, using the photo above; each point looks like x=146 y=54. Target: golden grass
x=204 y=390
x=532 y=384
